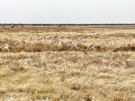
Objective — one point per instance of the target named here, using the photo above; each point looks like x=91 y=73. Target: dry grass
x=37 y=70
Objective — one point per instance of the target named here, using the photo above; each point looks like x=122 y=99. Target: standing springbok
x=6 y=48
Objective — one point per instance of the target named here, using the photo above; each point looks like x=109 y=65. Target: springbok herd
x=73 y=46
x=70 y=45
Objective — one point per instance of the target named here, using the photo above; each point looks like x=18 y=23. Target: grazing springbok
x=68 y=44
x=6 y=48
x=91 y=47
x=71 y=45
x=74 y=46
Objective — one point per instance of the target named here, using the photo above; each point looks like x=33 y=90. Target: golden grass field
x=37 y=70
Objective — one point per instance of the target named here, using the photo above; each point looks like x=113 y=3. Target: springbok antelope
x=74 y=46
x=80 y=38
x=71 y=45
x=6 y=48
x=57 y=42
x=45 y=38
x=91 y=47
x=68 y=44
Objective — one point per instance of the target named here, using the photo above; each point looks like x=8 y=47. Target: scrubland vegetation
x=38 y=69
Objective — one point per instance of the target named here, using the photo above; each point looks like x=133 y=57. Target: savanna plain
x=38 y=67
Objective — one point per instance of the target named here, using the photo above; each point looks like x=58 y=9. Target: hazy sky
x=67 y=11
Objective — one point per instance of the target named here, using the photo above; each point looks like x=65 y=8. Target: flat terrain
x=39 y=68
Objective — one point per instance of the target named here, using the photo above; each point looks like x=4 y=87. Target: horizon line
x=67 y=23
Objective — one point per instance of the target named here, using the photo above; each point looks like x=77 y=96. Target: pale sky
x=67 y=11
